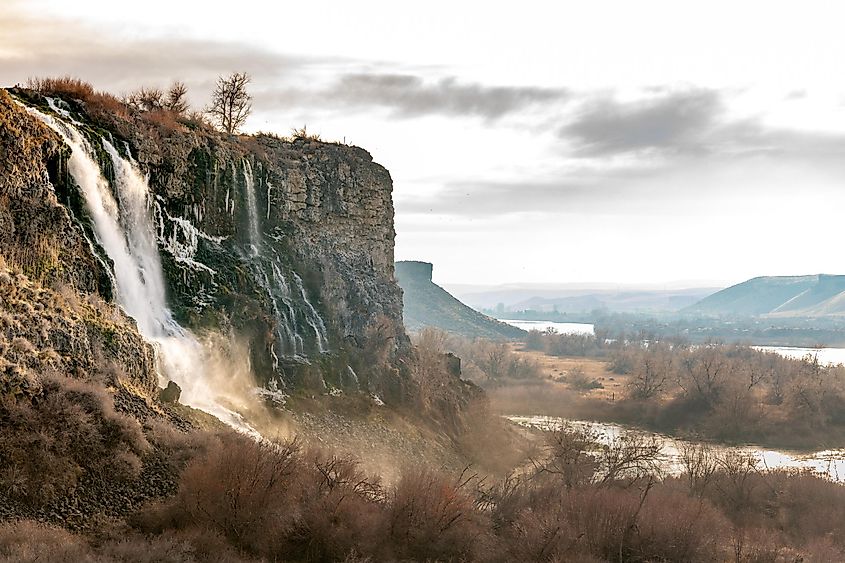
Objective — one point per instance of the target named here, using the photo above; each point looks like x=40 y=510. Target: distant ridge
x=426 y=304
x=778 y=296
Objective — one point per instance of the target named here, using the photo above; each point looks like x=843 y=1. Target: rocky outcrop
x=287 y=244
x=426 y=304
x=55 y=331
x=37 y=233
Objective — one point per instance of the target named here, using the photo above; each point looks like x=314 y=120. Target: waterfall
x=124 y=228
x=314 y=318
x=264 y=260
x=252 y=209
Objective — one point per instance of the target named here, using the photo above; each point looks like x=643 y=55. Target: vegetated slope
x=780 y=296
x=426 y=304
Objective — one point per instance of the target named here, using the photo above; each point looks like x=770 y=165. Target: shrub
x=69 y=430
x=29 y=542
x=63 y=85
x=242 y=490
x=432 y=518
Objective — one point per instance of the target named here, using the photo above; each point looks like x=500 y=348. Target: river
x=827 y=356
x=562 y=328
x=830 y=463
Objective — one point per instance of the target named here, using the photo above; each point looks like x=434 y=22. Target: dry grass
x=70 y=429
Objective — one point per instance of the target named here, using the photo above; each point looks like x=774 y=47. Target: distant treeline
x=798 y=331
x=553 y=316
x=725 y=392
x=819 y=331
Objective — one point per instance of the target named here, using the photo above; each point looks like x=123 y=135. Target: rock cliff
x=286 y=245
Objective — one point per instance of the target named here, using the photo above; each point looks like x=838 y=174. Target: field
x=559 y=368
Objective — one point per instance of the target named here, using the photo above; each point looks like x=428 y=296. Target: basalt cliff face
x=283 y=246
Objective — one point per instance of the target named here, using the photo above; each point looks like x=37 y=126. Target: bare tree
x=176 y=101
x=146 y=99
x=652 y=372
x=230 y=102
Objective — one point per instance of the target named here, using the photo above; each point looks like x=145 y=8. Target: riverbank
x=756 y=398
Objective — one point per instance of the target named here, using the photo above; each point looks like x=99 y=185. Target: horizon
x=633 y=149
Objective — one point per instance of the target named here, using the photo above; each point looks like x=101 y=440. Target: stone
x=171 y=393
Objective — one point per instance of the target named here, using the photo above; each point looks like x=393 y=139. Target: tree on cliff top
x=230 y=102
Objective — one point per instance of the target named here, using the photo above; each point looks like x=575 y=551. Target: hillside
x=778 y=296
x=161 y=282
x=579 y=300
x=426 y=304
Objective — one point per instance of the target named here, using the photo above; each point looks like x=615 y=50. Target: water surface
x=562 y=328
x=829 y=463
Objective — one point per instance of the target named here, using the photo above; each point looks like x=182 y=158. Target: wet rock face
x=37 y=233
x=293 y=247
x=287 y=244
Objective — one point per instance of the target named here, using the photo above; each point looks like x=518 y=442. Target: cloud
x=108 y=59
x=114 y=60
x=407 y=95
x=583 y=191
x=678 y=122
x=689 y=125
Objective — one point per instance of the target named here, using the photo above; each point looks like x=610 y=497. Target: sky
x=691 y=143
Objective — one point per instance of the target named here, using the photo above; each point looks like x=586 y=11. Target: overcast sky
x=628 y=142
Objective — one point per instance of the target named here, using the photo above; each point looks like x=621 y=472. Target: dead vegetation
x=242 y=500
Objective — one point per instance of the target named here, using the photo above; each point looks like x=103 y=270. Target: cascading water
x=269 y=272
x=252 y=209
x=124 y=229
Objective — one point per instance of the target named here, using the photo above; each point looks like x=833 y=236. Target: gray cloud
x=43 y=46
x=690 y=124
x=47 y=47
x=585 y=190
x=677 y=122
x=406 y=95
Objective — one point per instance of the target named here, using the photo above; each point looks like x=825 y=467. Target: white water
x=124 y=229
x=252 y=209
x=830 y=463
x=561 y=328
x=826 y=356
x=276 y=285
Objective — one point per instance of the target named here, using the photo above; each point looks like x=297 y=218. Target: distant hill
x=426 y=304
x=778 y=296
x=565 y=299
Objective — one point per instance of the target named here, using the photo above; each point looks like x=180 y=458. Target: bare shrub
x=241 y=489
x=430 y=517
x=72 y=429
x=176 y=100
x=146 y=99
x=29 y=542
x=302 y=134
x=98 y=103
x=699 y=465
x=339 y=507
x=568 y=455
x=493 y=361
x=171 y=547
x=577 y=379
x=62 y=85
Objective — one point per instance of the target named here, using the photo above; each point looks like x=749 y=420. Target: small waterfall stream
x=124 y=228
x=268 y=270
